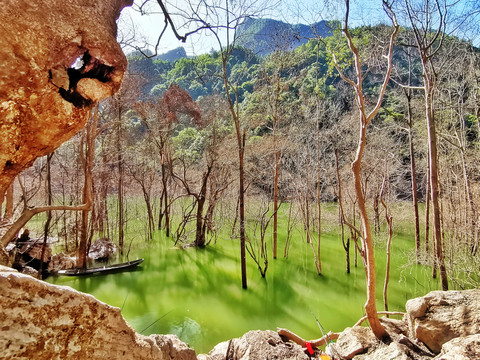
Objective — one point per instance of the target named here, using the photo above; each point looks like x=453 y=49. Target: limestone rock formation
x=441 y=316
x=57 y=59
x=256 y=345
x=360 y=343
x=462 y=348
x=356 y=340
x=43 y=321
x=102 y=249
x=61 y=261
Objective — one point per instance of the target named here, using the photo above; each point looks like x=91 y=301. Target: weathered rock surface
x=441 y=316
x=44 y=100
x=61 y=261
x=43 y=321
x=356 y=340
x=34 y=250
x=102 y=249
x=256 y=345
x=360 y=343
x=463 y=348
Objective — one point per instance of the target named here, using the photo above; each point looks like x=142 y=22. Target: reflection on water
x=197 y=295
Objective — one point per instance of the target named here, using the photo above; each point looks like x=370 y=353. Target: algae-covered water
x=197 y=294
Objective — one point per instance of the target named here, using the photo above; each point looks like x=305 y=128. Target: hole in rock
x=85 y=66
x=78 y=63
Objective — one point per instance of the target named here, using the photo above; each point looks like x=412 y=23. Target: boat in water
x=107 y=269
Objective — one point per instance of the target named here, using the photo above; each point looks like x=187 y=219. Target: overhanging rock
x=57 y=58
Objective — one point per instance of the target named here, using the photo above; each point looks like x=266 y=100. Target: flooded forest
x=282 y=178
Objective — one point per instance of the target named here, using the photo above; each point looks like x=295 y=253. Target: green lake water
x=197 y=294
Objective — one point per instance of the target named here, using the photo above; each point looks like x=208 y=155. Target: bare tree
x=428 y=43
x=364 y=117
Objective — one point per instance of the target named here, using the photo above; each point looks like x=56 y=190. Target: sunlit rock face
x=43 y=321
x=57 y=58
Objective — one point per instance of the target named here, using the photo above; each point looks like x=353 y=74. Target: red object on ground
x=309 y=347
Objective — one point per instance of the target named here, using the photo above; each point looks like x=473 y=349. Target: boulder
x=28 y=270
x=44 y=321
x=462 y=348
x=256 y=345
x=360 y=343
x=355 y=340
x=441 y=316
x=101 y=249
x=34 y=250
x=61 y=261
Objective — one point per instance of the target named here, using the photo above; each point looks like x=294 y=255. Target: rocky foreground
x=44 y=321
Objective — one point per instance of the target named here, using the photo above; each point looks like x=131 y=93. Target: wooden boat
x=108 y=269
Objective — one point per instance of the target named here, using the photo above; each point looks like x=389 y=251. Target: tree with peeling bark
x=365 y=116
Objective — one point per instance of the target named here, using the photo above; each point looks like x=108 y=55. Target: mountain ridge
x=264 y=36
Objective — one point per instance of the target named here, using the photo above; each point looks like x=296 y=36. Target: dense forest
x=163 y=153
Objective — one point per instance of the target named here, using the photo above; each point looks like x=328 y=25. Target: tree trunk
x=389 y=220
x=427 y=210
x=275 y=199
x=367 y=240
x=200 y=221
x=148 y=204
x=121 y=220
x=87 y=151
x=432 y=140
x=364 y=119
x=414 y=184
x=9 y=203
x=241 y=152
x=46 y=228
x=166 y=210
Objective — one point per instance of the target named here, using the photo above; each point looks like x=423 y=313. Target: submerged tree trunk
x=414 y=184
x=46 y=228
x=428 y=42
x=87 y=152
x=121 y=220
x=389 y=220
x=200 y=220
x=241 y=153
x=275 y=198
x=434 y=183
x=408 y=96
x=164 y=199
